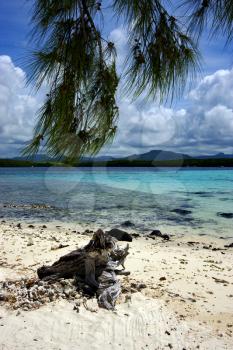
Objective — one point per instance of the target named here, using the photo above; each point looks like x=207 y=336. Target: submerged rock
x=226 y=215
x=127 y=223
x=28 y=206
x=181 y=211
x=120 y=235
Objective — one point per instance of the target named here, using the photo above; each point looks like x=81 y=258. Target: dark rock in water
x=127 y=223
x=203 y=194
x=226 y=215
x=28 y=206
x=181 y=211
x=120 y=235
x=157 y=233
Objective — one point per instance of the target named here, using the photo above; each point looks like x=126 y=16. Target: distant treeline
x=26 y=163
x=224 y=162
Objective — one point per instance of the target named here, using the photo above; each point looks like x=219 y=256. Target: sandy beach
x=179 y=294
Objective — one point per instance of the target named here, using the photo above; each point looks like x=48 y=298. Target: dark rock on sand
x=226 y=215
x=192 y=242
x=120 y=235
x=229 y=245
x=162 y=278
x=138 y=286
x=4 y=296
x=157 y=233
x=127 y=223
x=207 y=247
x=135 y=235
x=181 y=211
x=88 y=231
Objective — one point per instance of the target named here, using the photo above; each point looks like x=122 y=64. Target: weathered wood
x=94 y=264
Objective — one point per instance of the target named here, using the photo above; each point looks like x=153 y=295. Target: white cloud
x=204 y=126
x=209 y=117
x=119 y=38
x=17 y=108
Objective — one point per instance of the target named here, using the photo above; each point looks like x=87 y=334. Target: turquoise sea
x=173 y=200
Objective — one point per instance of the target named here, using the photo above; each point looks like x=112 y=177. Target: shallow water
x=110 y=196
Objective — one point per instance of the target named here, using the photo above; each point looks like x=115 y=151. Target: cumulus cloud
x=209 y=117
x=17 y=108
x=204 y=126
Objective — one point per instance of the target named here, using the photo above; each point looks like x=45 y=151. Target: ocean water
x=173 y=200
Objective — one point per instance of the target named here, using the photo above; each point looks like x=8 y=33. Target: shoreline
x=186 y=302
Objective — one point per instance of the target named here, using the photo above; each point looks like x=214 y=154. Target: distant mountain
x=158 y=155
x=216 y=156
x=37 y=158
x=98 y=159
x=153 y=155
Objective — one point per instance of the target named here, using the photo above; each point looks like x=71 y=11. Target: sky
x=201 y=122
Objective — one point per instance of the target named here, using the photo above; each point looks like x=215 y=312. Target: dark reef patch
x=226 y=215
x=181 y=211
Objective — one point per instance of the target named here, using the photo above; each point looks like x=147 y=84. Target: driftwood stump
x=93 y=266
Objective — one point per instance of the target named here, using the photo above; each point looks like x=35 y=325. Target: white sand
x=186 y=311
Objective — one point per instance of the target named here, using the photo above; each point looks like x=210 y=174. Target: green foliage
x=215 y=15
x=210 y=162
x=225 y=162
x=14 y=163
x=162 y=56
x=80 y=114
